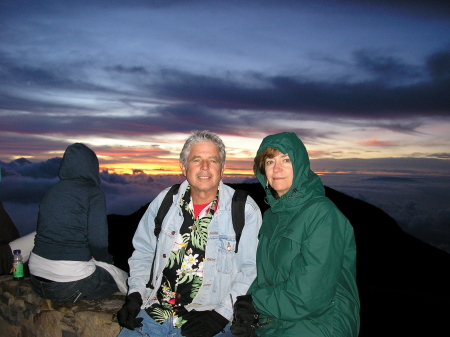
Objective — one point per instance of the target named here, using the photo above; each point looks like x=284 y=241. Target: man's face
x=203 y=168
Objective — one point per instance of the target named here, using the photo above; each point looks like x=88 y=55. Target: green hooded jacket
x=306 y=258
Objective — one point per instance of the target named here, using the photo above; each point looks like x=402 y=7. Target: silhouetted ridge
x=121 y=232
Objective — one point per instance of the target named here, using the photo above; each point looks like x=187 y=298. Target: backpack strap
x=238 y=213
x=164 y=208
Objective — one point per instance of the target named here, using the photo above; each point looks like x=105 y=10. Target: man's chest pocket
x=225 y=255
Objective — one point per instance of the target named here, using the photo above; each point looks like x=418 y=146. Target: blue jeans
x=97 y=285
x=151 y=328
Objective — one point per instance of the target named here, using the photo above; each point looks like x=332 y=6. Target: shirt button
x=164 y=255
x=173 y=232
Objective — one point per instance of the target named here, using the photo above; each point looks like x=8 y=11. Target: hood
x=79 y=162
x=306 y=184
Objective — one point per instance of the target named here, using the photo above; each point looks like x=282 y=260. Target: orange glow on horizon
x=140 y=168
x=157 y=170
x=166 y=166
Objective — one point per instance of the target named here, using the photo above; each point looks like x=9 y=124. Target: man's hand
x=203 y=324
x=245 y=317
x=130 y=309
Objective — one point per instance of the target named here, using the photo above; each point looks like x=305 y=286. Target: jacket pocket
x=225 y=255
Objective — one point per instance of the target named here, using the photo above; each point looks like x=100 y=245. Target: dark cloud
x=392 y=179
x=113 y=178
x=16 y=74
x=386 y=69
x=395 y=91
x=127 y=70
x=406 y=166
x=417 y=7
x=24 y=190
x=20 y=144
x=444 y=155
x=46 y=170
x=438 y=65
x=423 y=8
x=136 y=171
x=14 y=102
x=400 y=126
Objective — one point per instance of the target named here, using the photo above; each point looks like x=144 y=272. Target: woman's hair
x=259 y=165
x=202 y=136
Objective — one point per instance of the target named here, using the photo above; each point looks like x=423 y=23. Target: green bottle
x=18 y=265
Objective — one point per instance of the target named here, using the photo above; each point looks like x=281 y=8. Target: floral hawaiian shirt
x=183 y=274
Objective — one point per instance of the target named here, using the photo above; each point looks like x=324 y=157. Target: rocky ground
x=24 y=314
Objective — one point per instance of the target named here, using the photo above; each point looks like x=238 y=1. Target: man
x=195 y=273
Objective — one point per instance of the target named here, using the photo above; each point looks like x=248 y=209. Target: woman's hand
x=245 y=317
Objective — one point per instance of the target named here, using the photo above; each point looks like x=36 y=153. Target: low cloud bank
x=417 y=202
x=24 y=184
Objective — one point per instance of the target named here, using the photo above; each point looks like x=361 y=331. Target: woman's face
x=279 y=173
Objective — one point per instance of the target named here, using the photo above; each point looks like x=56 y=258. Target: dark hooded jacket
x=306 y=258
x=72 y=222
x=8 y=233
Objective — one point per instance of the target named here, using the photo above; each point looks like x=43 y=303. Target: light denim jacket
x=226 y=274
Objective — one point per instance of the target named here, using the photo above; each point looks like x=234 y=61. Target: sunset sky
x=365 y=84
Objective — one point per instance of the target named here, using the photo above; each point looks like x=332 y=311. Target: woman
x=70 y=259
x=306 y=258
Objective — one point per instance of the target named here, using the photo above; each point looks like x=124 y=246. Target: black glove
x=203 y=324
x=130 y=309
x=245 y=317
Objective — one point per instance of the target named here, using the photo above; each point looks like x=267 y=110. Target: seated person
x=70 y=259
x=8 y=233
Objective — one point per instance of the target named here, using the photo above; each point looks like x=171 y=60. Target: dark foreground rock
x=24 y=314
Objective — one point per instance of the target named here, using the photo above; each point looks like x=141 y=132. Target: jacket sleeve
x=97 y=227
x=311 y=283
x=245 y=259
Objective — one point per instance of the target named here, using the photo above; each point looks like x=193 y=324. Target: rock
x=23 y=313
